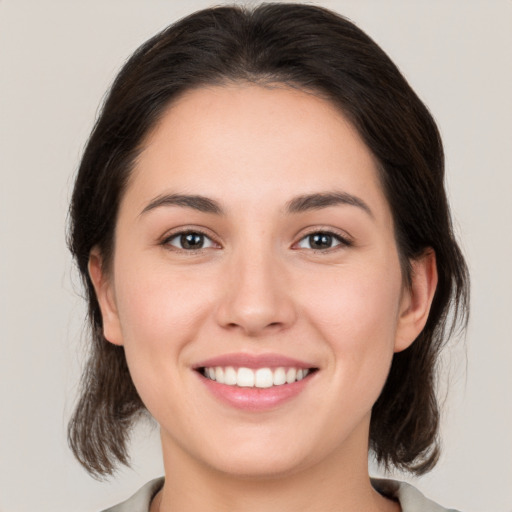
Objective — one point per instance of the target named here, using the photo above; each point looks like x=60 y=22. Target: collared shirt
x=410 y=499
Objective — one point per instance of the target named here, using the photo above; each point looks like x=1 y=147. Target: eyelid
x=182 y=230
x=344 y=239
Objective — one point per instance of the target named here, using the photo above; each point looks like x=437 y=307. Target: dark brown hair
x=309 y=48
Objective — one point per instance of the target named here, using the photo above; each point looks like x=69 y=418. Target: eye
x=190 y=241
x=322 y=240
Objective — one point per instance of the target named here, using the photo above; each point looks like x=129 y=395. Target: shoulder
x=410 y=499
x=141 y=500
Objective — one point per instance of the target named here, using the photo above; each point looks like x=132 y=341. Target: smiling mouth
x=255 y=378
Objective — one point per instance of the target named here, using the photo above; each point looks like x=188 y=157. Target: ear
x=416 y=299
x=106 y=297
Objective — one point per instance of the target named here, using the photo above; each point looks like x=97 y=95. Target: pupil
x=192 y=241
x=320 y=240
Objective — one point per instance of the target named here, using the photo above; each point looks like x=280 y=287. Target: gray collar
x=410 y=499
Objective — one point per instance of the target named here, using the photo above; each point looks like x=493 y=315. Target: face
x=255 y=282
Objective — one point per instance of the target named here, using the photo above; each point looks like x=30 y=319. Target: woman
x=261 y=225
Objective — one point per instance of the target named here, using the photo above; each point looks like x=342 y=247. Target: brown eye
x=322 y=241
x=190 y=241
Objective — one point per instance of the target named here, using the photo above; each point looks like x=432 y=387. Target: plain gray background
x=57 y=59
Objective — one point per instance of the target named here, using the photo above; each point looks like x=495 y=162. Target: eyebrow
x=321 y=200
x=196 y=202
x=299 y=204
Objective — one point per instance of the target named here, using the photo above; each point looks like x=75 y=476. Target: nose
x=257 y=297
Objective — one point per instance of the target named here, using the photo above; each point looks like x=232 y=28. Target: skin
x=256 y=287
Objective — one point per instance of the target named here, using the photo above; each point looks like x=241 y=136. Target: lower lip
x=255 y=399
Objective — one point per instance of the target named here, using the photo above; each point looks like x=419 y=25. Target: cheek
x=355 y=301
x=159 y=316
x=357 y=315
x=160 y=313
x=155 y=304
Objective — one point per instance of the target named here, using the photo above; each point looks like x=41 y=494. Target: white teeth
x=279 y=377
x=230 y=376
x=245 y=378
x=290 y=375
x=263 y=378
x=260 y=378
x=219 y=374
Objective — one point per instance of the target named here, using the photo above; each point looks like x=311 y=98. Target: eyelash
x=179 y=234
x=342 y=241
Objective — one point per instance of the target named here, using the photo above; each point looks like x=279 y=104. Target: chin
x=260 y=457
x=259 y=467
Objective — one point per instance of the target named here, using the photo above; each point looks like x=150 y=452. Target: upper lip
x=253 y=361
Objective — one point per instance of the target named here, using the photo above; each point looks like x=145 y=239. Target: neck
x=337 y=483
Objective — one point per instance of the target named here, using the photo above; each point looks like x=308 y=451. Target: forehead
x=239 y=143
